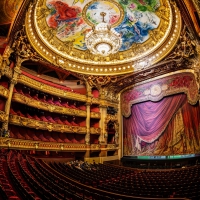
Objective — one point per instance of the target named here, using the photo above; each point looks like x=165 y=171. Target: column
x=104 y=134
x=13 y=81
x=87 y=137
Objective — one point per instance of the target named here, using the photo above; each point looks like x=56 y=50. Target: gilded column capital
x=88 y=104
x=16 y=74
x=103 y=106
x=22 y=48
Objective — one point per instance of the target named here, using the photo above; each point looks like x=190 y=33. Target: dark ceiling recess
x=4 y=29
x=197 y=17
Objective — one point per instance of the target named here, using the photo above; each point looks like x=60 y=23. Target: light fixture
x=103 y=40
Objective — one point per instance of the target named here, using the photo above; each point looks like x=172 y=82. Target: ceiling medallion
x=58 y=31
x=103 y=40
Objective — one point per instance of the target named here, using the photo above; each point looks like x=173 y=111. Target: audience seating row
x=46 y=117
x=45 y=136
x=34 y=179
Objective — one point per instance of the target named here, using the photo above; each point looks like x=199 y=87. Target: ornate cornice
x=4 y=91
x=51 y=90
x=31 y=123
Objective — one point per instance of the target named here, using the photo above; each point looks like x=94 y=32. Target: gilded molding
x=31 y=123
x=95 y=130
x=112 y=146
x=95 y=147
x=50 y=90
x=48 y=107
x=38 y=145
x=96 y=115
x=13 y=143
x=4 y=91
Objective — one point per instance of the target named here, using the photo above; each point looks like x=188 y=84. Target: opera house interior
x=99 y=99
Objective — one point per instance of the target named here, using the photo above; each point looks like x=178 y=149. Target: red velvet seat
x=14 y=90
x=57 y=102
x=20 y=114
x=56 y=137
x=47 y=135
x=65 y=104
x=74 y=123
x=95 y=109
x=4 y=84
x=20 y=91
x=66 y=122
x=50 y=119
x=27 y=137
x=13 y=197
x=42 y=138
x=36 y=97
x=12 y=112
x=63 y=137
x=83 y=123
x=73 y=106
x=82 y=107
x=50 y=101
x=30 y=117
x=80 y=139
x=44 y=119
x=36 y=117
x=58 y=121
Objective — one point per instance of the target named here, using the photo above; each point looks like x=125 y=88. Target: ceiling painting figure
x=131 y=18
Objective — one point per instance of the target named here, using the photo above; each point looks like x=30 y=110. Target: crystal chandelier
x=103 y=40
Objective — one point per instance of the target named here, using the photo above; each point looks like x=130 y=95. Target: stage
x=161 y=162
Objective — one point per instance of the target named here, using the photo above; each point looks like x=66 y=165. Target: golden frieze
x=44 y=39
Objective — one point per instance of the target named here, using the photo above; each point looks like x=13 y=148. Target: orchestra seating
x=26 y=177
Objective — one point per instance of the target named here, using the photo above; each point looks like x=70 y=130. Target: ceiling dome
x=58 y=31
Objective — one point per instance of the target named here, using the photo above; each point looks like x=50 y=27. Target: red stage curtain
x=156 y=125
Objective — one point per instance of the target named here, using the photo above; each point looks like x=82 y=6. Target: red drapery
x=150 y=120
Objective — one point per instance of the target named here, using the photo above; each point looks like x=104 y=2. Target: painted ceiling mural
x=131 y=18
x=59 y=27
